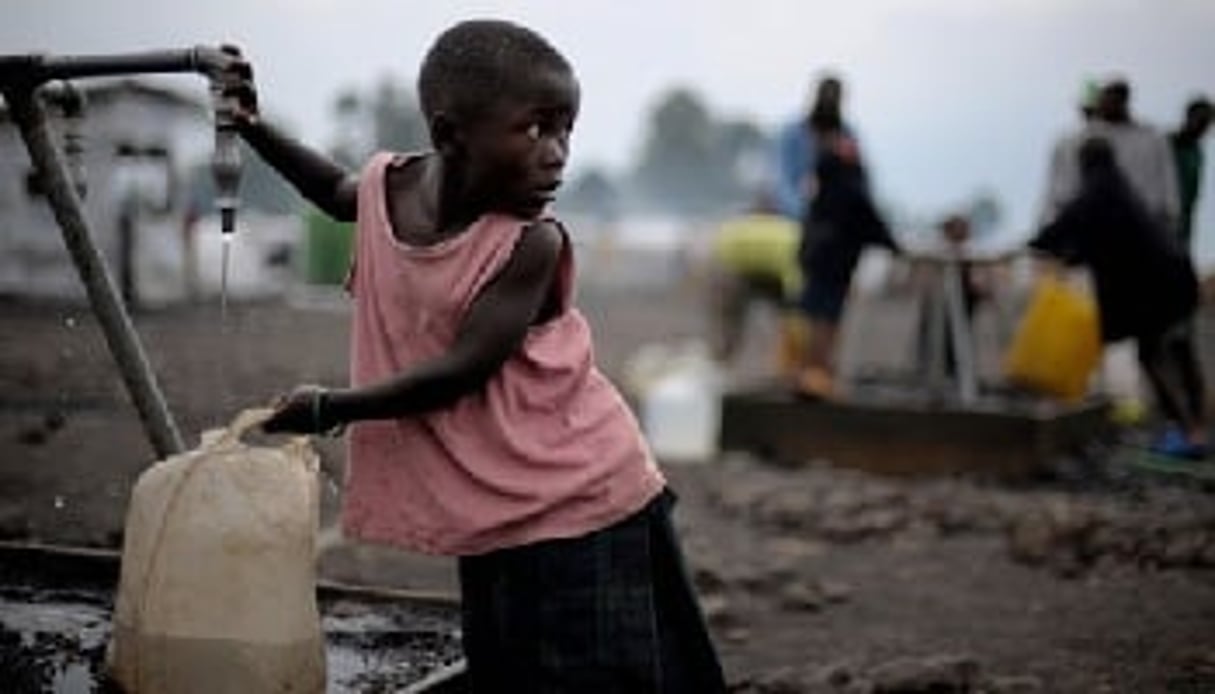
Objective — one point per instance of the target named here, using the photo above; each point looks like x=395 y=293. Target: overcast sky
x=949 y=96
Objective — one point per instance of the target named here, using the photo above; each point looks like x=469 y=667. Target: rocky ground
x=815 y=579
x=827 y=580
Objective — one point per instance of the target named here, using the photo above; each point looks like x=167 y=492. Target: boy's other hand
x=297 y=413
x=237 y=78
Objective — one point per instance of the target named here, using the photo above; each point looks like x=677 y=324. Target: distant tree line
x=691 y=162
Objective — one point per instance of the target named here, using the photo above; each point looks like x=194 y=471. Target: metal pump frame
x=21 y=80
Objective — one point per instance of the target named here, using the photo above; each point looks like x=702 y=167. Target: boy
x=479 y=425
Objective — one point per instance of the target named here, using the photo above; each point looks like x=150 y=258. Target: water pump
x=226 y=158
x=21 y=76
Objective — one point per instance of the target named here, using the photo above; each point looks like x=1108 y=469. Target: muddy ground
x=814 y=578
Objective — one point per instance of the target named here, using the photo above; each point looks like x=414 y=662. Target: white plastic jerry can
x=218 y=587
x=681 y=412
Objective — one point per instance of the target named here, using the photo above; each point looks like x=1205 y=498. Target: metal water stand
x=22 y=81
x=949 y=330
x=939 y=419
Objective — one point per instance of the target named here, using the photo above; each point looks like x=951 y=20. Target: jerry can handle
x=243 y=422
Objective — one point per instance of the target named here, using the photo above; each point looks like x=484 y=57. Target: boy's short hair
x=474 y=62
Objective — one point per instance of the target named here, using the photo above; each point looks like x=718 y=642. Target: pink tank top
x=548 y=448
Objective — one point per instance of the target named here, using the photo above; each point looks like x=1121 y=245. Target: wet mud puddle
x=55 y=640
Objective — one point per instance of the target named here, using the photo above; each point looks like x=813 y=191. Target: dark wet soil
x=814 y=579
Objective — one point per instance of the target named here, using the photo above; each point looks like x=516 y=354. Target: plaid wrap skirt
x=613 y=611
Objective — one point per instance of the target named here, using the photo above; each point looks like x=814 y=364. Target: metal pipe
x=938 y=336
x=56 y=67
x=960 y=333
x=28 y=71
x=30 y=117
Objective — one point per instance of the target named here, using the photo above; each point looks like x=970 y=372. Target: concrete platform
x=909 y=437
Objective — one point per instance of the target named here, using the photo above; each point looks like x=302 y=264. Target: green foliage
x=692 y=162
x=592 y=192
x=328 y=249
x=385 y=116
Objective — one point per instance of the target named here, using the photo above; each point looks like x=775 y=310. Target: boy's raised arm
x=318 y=178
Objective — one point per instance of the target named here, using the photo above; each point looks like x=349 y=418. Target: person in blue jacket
x=797 y=148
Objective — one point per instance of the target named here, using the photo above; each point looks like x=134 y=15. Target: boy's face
x=515 y=153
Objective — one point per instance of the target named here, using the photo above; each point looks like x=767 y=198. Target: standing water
x=53 y=639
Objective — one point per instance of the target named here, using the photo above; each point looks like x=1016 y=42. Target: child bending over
x=479 y=424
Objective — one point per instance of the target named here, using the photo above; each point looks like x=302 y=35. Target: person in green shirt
x=1187 y=153
x=1181 y=345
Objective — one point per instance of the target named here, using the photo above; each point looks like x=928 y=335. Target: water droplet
x=70 y=322
x=59 y=502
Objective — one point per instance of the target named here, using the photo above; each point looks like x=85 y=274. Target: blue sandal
x=1174 y=444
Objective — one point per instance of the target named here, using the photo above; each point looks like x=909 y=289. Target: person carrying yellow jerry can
x=1145 y=285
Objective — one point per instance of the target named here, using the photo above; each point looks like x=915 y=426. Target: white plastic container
x=681 y=409
x=218 y=586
